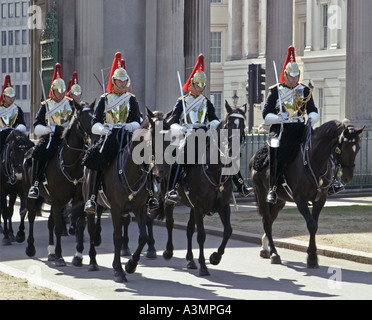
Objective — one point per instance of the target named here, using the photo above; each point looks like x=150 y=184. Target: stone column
x=197 y=36
x=251 y=28
x=309 y=25
x=89 y=47
x=279 y=36
x=358 y=64
x=235 y=30
x=170 y=56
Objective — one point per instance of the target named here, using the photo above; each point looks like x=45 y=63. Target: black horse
x=207 y=181
x=309 y=177
x=124 y=185
x=15 y=148
x=64 y=176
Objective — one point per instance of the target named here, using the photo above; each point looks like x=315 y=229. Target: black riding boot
x=36 y=171
x=271 y=196
x=152 y=203
x=93 y=184
x=172 y=195
x=243 y=189
x=337 y=185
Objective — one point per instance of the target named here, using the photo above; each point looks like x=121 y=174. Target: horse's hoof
x=203 y=272
x=11 y=237
x=20 y=237
x=31 y=251
x=60 y=262
x=125 y=253
x=215 y=258
x=151 y=254
x=265 y=254
x=167 y=255
x=6 y=242
x=119 y=277
x=51 y=257
x=275 y=259
x=312 y=263
x=77 y=261
x=191 y=265
x=93 y=267
x=131 y=266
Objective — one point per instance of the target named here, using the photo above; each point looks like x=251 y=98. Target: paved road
x=242 y=274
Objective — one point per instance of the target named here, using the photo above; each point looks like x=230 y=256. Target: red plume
x=115 y=65
x=198 y=66
x=57 y=74
x=290 y=58
x=7 y=83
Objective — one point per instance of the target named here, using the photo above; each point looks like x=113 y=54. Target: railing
x=363 y=170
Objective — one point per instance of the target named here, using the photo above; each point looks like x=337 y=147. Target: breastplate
x=196 y=109
x=292 y=100
x=117 y=108
x=59 y=113
x=8 y=116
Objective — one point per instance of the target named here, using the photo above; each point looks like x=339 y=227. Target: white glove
x=273 y=119
x=41 y=130
x=214 y=124
x=177 y=129
x=313 y=117
x=132 y=126
x=22 y=128
x=99 y=129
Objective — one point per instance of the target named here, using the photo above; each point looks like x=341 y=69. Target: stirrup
x=90 y=207
x=172 y=196
x=271 y=197
x=153 y=203
x=245 y=191
x=33 y=193
x=336 y=187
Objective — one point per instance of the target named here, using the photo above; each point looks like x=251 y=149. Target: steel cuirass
x=196 y=109
x=117 y=108
x=292 y=100
x=59 y=113
x=8 y=116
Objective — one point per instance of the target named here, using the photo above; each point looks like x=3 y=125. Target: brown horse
x=64 y=173
x=124 y=184
x=15 y=148
x=309 y=177
x=206 y=181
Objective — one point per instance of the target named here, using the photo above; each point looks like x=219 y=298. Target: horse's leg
x=51 y=247
x=93 y=266
x=189 y=233
x=12 y=200
x=203 y=271
x=33 y=207
x=312 y=258
x=151 y=251
x=168 y=253
x=215 y=258
x=119 y=274
x=97 y=236
x=80 y=223
x=5 y=213
x=125 y=251
x=131 y=265
x=20 y=237
x=58 y=228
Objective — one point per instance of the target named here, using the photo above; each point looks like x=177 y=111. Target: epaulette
x=272 y=87
x=43 y=102
x=68 y=98
x=305 y=86
x=105 y=95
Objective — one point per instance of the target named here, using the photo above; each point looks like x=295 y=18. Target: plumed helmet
x=57 y=82
x=7 y=89
x=197 y=76
x=118 y=72
x=75 y=87
x=290 y=66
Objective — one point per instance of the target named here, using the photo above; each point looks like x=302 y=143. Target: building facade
x=15 y=50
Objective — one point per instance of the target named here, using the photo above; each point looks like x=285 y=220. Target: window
x=3 y=65
x=24 y=64
x=17 y=37
x=325 y=27
x=216 y=99
x=216 y=47
x=216 y=1
x=3 y=38
x=3 y=11
x=24 y=92
x=17 y=9
x=10 y=10
x=24 y=9
x=10 y=65
x=17 y=64
x=10 y=38
x=24 y=37
x=18 y=92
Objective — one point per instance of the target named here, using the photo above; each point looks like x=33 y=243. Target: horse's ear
x=360 y=131
x=93 y=104
x=150 y=116
x=245 y=108
x=228 y=108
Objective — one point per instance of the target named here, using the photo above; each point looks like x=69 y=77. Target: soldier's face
x=196 y=90
x=292 y=81
x=59 y=96
x=121 y=84
x=8 y=100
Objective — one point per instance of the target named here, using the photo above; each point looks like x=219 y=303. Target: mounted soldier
x=116 y=117
x=74 y=91
x=52 y=118
x=11 y=115
x=199 y=111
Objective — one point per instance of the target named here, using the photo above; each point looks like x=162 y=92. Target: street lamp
x=235 y=98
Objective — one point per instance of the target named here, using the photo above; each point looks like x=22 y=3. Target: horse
x=124 y=183
x=309 y=177
x=15 y=148
x=64 y=177
x=206 y=181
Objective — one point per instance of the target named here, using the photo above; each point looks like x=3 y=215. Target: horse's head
x=17 y=146
x=346 y=150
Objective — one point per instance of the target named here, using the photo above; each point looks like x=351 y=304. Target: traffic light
x=261 y=79
x=252 y=83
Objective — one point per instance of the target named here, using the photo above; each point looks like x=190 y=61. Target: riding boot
x=172 y=195
x=336 y=186
x=93 y=184
x=152 y=203
x=272 y=196
x=243 y=189
x=33 y=192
